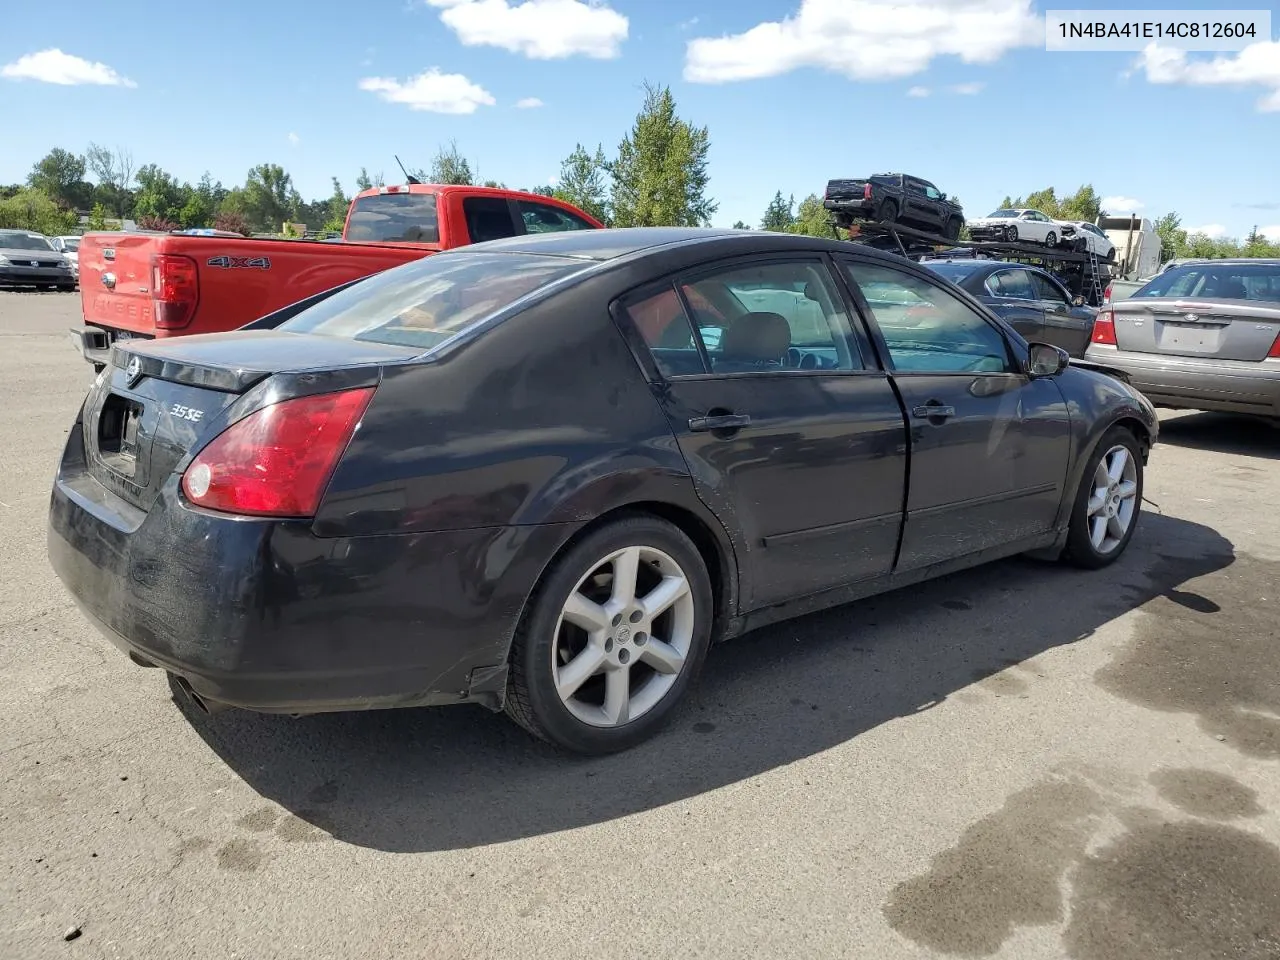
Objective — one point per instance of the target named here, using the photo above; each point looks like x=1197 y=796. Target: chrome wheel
x=1113 y=501
x=623 y=636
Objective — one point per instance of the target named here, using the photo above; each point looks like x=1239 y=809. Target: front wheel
x=887 y=212
x=1011 y=234
x=1051 y=239
x=952 y=229
x=613 y=637
x=1108 y=502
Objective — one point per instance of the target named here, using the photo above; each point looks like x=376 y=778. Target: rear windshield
x=955 y=272
x=24 y=241
x=1221 y=281
x=428 y=302
x=392 y=217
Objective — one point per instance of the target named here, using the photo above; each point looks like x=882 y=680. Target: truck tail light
x=1104 y=328
x=277 y=461
x=866 y=191
x=175 y=290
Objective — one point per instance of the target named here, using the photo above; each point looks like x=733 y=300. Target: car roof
x=618 y=242
x=14 y=231
x=1233 y=261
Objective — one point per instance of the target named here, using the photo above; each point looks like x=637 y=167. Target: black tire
x=887 y=212
x=1011 y=234
x=532 y=700
x=1081 y=245
x=1051 y=239
x=1079 y=550
x=952 y=229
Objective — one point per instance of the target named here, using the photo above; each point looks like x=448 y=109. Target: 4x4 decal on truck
x=228 y=263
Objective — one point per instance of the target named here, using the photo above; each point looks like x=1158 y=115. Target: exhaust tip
x=208 y=707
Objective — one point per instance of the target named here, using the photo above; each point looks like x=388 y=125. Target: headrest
x=756 y=337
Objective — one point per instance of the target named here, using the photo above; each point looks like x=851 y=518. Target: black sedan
x=545 y=473
x=1032 y=301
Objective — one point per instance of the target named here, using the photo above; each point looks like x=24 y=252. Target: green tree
x=60 y=175
x=113 y=169
x=1084 y=204
x=366 y=182
x=584 y=182
x=35 y=210
x=778 y=216
x=739 y=225
x=269 y=198
x=1173 y=239
x=159 y=196
x=660 y=175
x=450 y=166
x=811 y=218
x=97 y=217
x=338 y=204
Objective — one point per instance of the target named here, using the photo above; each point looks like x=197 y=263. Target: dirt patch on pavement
x=1204 y=793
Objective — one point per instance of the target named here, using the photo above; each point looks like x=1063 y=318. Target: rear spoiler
x=1102 y=368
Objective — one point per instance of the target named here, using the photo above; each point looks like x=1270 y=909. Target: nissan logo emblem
x=134 y=369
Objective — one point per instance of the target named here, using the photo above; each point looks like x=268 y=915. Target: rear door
x=792 y=436
x=1219 y=310
x=1015 y=300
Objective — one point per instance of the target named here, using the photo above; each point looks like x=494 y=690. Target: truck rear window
x=395 y=217
x=428 y=302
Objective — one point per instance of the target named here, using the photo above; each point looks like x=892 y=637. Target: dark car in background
x=520 y=474
x=894 y=198
x=1201 y=336
x=1032 y=301
x=28 y=259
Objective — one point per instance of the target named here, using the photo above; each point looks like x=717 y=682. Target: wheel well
x=1140 y=431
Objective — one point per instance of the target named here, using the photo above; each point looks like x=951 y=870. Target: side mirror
x=1046 y=360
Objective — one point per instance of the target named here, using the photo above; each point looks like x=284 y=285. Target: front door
x=796 y=443
x=989 y=446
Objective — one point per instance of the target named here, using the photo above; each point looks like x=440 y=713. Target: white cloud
x=530 y=103
x=1272 y=232
x=54 y=66
x=539 y=29
x=1257 y=65
x=867 y=39
x=918 y=92
x=1121 y=204
x=970 y=89
x=294 y=139
x=1211 y=230
x=431 y=90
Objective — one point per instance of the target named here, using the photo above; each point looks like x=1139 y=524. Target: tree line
x=657 y=176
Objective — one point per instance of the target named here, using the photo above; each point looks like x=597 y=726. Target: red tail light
x=175 y=290
x=866 y=191
x=1104 y=328
x=1106 y=294
x=276 y=462
x=1274 y=352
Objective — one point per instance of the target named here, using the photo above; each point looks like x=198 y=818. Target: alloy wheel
x=1113 y=502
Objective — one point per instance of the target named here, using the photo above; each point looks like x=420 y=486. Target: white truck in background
x=1137 y=254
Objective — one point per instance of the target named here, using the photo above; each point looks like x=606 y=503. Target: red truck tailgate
x=115 y=283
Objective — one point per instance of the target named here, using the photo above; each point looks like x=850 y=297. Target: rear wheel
x=613 y=637
x=887 y=212
x=1011 y=234
x=1108 y=502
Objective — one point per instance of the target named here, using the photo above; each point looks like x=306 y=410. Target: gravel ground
x=1022 y=761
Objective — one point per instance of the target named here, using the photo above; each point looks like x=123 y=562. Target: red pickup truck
x=145 y=285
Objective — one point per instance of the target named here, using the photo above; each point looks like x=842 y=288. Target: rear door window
x=488 y=218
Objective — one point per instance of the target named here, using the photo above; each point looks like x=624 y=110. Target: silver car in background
x=1201 y=336
x=27 y=259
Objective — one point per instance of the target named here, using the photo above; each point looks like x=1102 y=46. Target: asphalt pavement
x=1022 y=761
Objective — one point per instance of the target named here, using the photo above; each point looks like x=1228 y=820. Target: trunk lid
x=1186 y=327
x=160 y=400
x=115 y=280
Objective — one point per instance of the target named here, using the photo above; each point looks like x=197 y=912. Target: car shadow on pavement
x=1222 y=433
x=449 y=778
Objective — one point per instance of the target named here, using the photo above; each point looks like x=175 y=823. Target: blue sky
x=794 y=92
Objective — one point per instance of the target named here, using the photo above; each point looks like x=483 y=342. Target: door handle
x=933 y=410
x=723 y=421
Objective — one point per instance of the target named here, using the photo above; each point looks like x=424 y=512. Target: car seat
x=753 y=341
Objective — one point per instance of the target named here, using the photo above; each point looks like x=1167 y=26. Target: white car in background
x=69 y=247
x=1011 y=224
x=1085 y=237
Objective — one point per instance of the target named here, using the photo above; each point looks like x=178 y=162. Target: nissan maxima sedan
x=544 y=474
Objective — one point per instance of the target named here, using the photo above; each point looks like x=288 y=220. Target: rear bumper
x=94 y=343
x=1226 y=386
x=857 y=208
x=266 y=616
